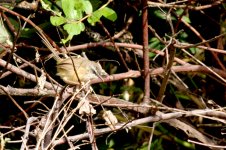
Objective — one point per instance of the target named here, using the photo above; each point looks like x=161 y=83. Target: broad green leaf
x=95 y=17
x=87 y=7
x=68 y=8
x=79 y=5
x=109 y=13
x=57 y=21
x=106 y=12
x=67 y=39
x=79 y=14
x=73 y=29
x=83 y=6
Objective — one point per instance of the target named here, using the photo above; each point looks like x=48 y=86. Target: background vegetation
x=167 y=76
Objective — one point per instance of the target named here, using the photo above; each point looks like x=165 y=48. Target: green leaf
x=157 y=144
x=87 y=7
x=182 y=96
x=95 y=4
x=47 y=7
x=68 y=8
x=5 y=37
x=109 y=13
x=111 y=143
x=73 y=29
x=95 y=17
x=10 y=5
x=155 y=43
x=106 y=12
x=160 y=14
x=83 y=6
x=163 y=15
x=151 y=55
x=183 y=35
x=57 y=21
x=179 y=12
x=79 y=5
x=193 y=50
x=186 y=19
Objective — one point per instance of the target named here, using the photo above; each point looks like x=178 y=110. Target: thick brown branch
x=146 y=52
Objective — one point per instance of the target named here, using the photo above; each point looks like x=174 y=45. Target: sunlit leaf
x=73 y=29
x=95 y=17
x=106 y=12
x=68 y=8
x=109 y=13
x=57 y=21
x=87 y=7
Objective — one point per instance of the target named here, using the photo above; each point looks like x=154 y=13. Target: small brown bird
x=76 y=68
x=86 y=70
